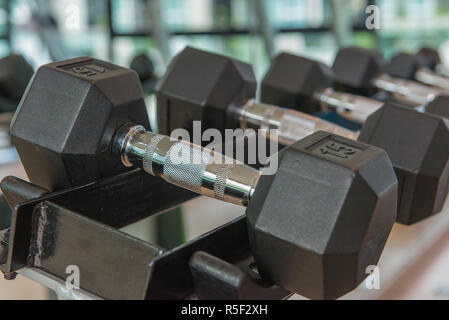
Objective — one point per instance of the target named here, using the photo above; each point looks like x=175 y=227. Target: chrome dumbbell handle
x=408 y=92
x=350 y=106
x=209 y=173
x=431 y=78
x=291 y=125
x=186 y=165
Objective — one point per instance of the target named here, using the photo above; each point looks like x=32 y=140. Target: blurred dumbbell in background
x=365 y=72
x=15 y=73
x=308 y=235
x=219 y=92
x=144 y=67
x=430 y=58
x=414 y=67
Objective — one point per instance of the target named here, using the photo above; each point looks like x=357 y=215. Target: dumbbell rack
x=79 y=226
x=82 y=228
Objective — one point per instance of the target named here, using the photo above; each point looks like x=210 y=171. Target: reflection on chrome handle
x=352 y=107
x=292 y=125
x=408 y=92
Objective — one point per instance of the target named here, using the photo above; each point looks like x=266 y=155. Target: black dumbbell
x=413 y=67
x=364 y=72
x=431 y=59
x=144 y=67
x=15 y=73
x=314 y=226
x=78 y=155
x=306 y=85
x=219 y=91
x=439 y=106
x=286 y=81
x=303 y=84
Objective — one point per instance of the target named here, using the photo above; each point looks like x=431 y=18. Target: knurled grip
x=223 y=174
x=147 y=160
x=185 y=166
x=190 y=166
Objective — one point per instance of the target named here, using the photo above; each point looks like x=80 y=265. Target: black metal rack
x=79 y=226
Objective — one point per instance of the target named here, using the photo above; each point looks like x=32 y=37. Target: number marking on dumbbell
x=334 y=150
x=89 y=70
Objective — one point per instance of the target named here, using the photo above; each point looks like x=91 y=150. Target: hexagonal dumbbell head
x=324 y=217
x=355 y=68
x=144 y=67
x=15 y=73
x=420 y=157
x=202 y=86
x=79 y=105
x=429 y=57
x=404 y=66
x=439 y=106
x=292 y=81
